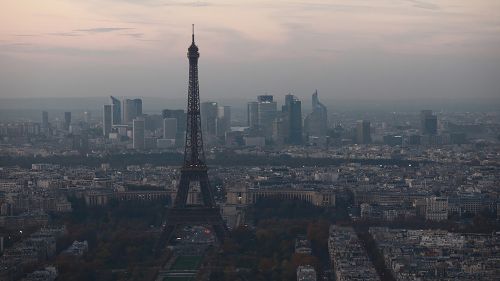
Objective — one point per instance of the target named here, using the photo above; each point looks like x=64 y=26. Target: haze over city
x=384 y=49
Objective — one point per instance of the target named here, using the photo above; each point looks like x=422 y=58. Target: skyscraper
x=223 y=120
x=170 y=128
x=363 y=132
x=316 y=122
x=265 y=98
x=131 y=110
x=292 y=110
x=267 y=109
x=153 y=121
x=253 y=115
x=87 y=116
x=138 y=133
x=209 y=112
x=80 y=141
x=107 y=117
x=261 y=115
x=428 y=122
x=180 y=115
x=45 y=119
x=67 y=120
x=280 y=128
x=138 y=107
x=116 y=108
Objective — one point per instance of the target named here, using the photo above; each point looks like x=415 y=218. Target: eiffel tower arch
x=194 y=169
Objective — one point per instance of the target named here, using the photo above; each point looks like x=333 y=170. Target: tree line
x=226 y=159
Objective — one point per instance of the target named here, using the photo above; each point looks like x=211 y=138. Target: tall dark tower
x=194 y=168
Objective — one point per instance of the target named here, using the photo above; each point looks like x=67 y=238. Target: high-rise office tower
x=317 y=121
x=266 y=114
x=131 y=110
x=45 y=119
x=180 y=115
x=107 y=116
x=153 y=122
x=265 y=98
x=261 y=115
x=170 y=128
x=253 y=115
x=292 y=109
x=138 y=107
x=280 y=128
x=67 y=120
x=80 y=141
x=428 y=122
x=223 y=120
x=363 y=132
x=87 y=116
x=209 y=112
x=138 y=133
x=116 y=108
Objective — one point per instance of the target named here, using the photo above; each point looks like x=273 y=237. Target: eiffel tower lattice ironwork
x=194 y=169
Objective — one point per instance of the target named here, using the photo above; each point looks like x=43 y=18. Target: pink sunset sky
x=360 y=49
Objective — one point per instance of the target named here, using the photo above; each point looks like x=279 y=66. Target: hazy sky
x=346 y=49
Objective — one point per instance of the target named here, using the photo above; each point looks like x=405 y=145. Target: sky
x=356 y=49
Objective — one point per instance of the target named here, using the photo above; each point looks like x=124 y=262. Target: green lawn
x=186 y=263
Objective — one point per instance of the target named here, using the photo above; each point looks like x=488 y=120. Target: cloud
x=424 y=5
x=159 y=3
x=69 y=34
x=188 y=4
x=325 y=6
x=28 y=48
x=328 y=51
x=13 y=45
x=149 y=40
x=25 y=35
x=223 y=31
x=102 y=29
x=133 y=35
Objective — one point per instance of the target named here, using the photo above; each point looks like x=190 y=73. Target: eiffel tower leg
x=182 y=192
x=170 y=232
x=206 y=191
x=209 y=201
x=220 y=231
x=166 y=235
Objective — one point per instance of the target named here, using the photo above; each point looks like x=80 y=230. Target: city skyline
x=298 y=185
x=382 y=50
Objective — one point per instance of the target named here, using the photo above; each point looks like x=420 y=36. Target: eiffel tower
x=193 y=170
